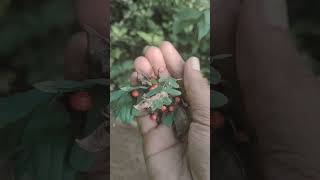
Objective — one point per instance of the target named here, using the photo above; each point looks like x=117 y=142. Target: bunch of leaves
x=27 y=27
x=45 y=148
x=125 y=108
x=135 y=24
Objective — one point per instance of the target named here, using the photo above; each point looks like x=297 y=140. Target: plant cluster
x=160 y=99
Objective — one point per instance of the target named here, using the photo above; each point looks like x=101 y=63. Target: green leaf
x=172 y=92
x=145 y=36
x=61 y=86
x=166 y=100
x=68 y=173
x=19 y=105
x=153 y=81
x=154 y=92
x=171 y=82
x=116 y=95
x=217 y=100
x=80 y=159
x=204 y=25
x=129 y=88
x=157 y=104
x=41 y=160
x=122 y=109
x=215 y=77
x=167 y=119
x=94 y=115
x=23 y=166
x=46 y=138
x=188 y=14
x=180 y=25
x=59 y=146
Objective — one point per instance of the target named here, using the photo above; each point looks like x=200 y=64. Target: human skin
x=94 y=13
x=281 y=95
x=165 y=156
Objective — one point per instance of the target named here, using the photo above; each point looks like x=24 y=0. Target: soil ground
x=126 y=153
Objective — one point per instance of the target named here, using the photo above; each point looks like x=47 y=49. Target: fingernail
x=195 y=63
x=145 y=49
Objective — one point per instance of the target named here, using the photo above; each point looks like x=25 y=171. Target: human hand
x=166 y=157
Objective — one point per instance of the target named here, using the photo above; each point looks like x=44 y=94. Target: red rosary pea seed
x=177 y=99
x=153 y=117
x=134 y=93
x=171 y=108
x=152 y=87
x=163 y=108
x=80 y=101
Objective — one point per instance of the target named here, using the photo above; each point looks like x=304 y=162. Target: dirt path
x=126 y=158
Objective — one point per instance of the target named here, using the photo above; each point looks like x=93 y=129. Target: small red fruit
x=242 y=137
x=134 y=93
x=163 y=108
x=216 y=119
x=152 y=87
x=153 y=117
x=177 y=99
x=171 y=108
x=80 y=101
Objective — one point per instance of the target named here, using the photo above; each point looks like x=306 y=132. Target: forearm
x=281 y=94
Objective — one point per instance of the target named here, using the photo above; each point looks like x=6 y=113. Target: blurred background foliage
x=33 y=35
x=135 y=24
x=304 y=20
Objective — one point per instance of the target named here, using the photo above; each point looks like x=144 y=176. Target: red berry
x=153 y=117
x=216 y=119
x=242 y=137
x=80 y=101
x=171 y=108
x=177 y=99
x=134 y=93
x=163 y=108
x=152 y=87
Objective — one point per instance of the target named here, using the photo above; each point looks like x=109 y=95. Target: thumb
x=197 y=91
x=198 y=96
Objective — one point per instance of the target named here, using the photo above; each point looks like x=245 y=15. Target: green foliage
x=44 y=143
x=215 y=76
x=122 y=104
x=135 y=24
x=79 y=158
x=62 y=86
x=167 y=118
x=33 y=36
x=122 y=109
x=20 y=105
x=217 y=99
x=43 y=146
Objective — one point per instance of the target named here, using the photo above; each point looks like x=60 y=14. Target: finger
x=146 y=124
x=197 y=91
x=173 y=59
x=155 y=57
x=143 y=66
x=158 y=139
x=134 y=78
